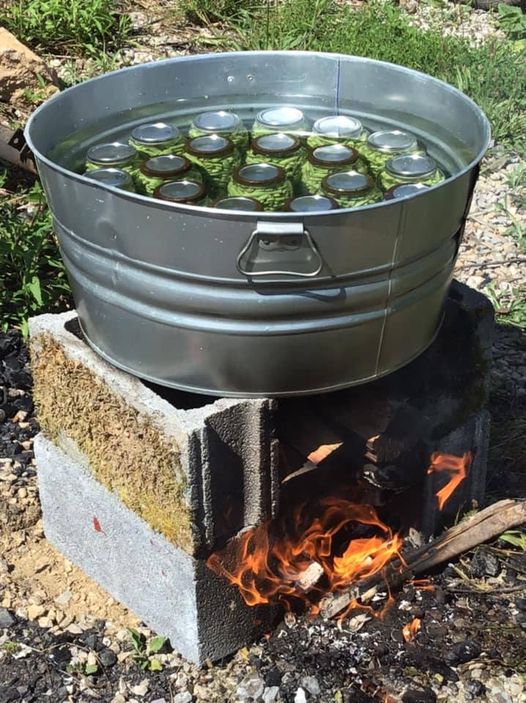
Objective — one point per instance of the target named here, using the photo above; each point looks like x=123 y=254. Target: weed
x=516 y=538
x=10 y=647
x=75 y=71
x=510 y=305
x=512 y=21
x=143 y=650
x=85 y=26
x=32 y=276
x=206 y=11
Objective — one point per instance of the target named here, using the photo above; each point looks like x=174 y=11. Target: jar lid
x=338 y=126
x=111 y=153
x=217 y=121
x=284 y=116
x=184 y=191
x=210 y=146
x=259 y=174
x=333 y=155
x=155 y=133
x=311 y=203
x=276 y=144
x=165 y=166
x=392 y=140
x=347 y=182
x=411 y=166
x=239 y=203
x=114 y=177
x=404 y=190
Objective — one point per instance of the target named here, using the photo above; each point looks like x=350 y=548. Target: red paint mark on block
x=96 y=525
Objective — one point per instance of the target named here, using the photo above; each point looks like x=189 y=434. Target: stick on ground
x=485 y=525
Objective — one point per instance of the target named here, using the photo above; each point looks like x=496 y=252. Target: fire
x=410 y=630
x=322 y=452
x=322 y=546
x=456 y=466
x=269 y=562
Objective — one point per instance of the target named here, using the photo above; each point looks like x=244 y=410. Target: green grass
x=494 y=74
x=32 y=276
x=206 y=11
x=66 y=26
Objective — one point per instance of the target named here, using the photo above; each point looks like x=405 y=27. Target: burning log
x=485 y=525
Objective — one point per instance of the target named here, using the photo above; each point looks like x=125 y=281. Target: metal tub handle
x=268 y=240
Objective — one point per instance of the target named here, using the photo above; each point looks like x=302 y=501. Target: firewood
x=481 y=527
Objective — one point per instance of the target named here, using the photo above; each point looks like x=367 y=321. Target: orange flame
x=410 y=630
x=322 y=452
x=456 y=466
x=268 y=567
x=321 y=548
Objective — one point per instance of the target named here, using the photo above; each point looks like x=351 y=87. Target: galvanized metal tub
x=250 y=303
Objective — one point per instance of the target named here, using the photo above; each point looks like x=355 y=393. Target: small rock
x=475 y=687
x=141 y=689
x=251 y=687
x=107 y=658
x=311 y=685
x=163 y=700
x=183 y=697
x=35 y=611
x=423 y=695
x=301 y=696
x=64 y=598
x=464 y=652
x=270 y=694
x=6 y=619
x=74 y=629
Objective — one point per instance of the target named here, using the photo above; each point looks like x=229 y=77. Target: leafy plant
x=32 y=276
x=66 y=25
x=512 y=21
x=205 y=11
x=510 y=305
x=515 y=538
x=143 y=650
x=10 y=647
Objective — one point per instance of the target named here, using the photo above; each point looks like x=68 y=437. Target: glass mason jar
x=337 y=129
x=284 y=118
x=157 y=139
x=327 y=159
x=410 y=168
x=238 y=203
x=112 y=155
x=169 y=167
x=311 y=203
x=351 y=189
x=113 y=177
x=284 y=150
x=183 y=192
x=384 y=144
x=216 y=157
x=404 y=190
x=226 y=124
x=265 y=182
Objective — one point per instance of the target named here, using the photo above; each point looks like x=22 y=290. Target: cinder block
x=172 y=592
x=196 y=469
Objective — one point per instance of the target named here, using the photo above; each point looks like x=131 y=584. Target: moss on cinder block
x=127 y=453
